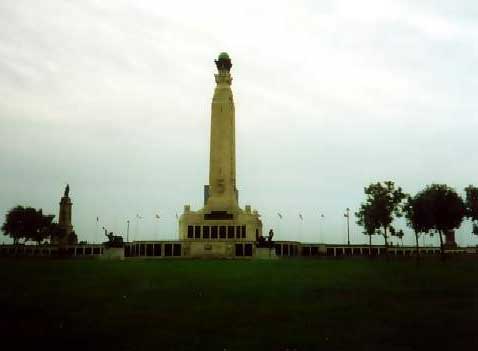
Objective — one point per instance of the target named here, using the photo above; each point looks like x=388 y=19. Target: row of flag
x=300 y=216
x=177 y=217
x=141 y=217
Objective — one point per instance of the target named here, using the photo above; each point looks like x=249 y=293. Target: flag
x=346 y=215
x=300 y=216
x=280 y=216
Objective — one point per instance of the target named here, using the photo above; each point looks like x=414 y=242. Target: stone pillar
x=221 y=204
x=222 y=192
x=64 y=217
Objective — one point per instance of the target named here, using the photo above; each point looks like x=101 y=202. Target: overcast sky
x=113 y=97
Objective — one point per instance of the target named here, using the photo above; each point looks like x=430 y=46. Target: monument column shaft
x=64 y=217
x=222 y=163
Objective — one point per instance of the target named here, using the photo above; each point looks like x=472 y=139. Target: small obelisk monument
x=64 y=217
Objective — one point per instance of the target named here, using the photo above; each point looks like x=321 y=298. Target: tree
x=471 y=203
x=26 y=223
x=14 y=225
x=56 y=232
x=438 y=208
x=367 y=220
x=72 y=239
x=475 y=229
x=381 y=206
x=58 y=235
x=398 y=233
x=42 y=229
x=415 y=218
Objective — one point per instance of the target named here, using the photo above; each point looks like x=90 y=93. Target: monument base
x=113 y=253
x=265 y=253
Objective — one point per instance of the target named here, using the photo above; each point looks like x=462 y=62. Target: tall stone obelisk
x=222 y=194
x=221 y=222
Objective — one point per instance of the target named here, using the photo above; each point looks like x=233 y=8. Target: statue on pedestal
x=67 y=190
x=262 y=241
x=113 y=240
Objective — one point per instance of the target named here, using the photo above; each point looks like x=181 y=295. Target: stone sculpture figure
x=67 y=190
x=113 y=240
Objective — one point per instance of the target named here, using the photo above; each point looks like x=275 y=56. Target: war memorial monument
x=221 y=228
x=208 y=230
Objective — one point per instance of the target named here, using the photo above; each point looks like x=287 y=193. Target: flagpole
x=300 y=231
x=347 y=215
x=138 y=217
x=277 y=226
x=279 y=215
x=318 y=229
x=127 y=232
x=321 y=215
x=96 y=233
x=300 y=226
x=280 y=226
x=157 y=225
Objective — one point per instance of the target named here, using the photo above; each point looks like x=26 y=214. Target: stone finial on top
x=67 y=190
x=223 y=62
x=224 y=55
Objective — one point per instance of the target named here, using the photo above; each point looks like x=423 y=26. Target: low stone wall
x=113 y=253
x=85 y=251
x=266 y=254
x=221 y=249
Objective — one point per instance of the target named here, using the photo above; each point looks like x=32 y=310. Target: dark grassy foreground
x=240 y=305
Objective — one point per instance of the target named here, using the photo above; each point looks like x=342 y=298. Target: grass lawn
x=239 y=305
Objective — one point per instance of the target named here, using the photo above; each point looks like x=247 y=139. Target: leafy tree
x=72 y=239
x=475 y=229
x=471 y=203
x=42 y=229
x=381 y=206
x=438 y=208
x=26 y=223
x=415 y=218
x=14 y=225
x=400 y=234
x=367 y=220
x=56 y=232
x=58 y=235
